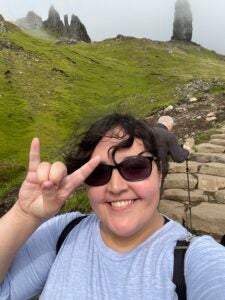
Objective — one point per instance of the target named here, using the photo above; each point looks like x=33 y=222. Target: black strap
x=222 y=242
x=67 y=230
x=178 y=268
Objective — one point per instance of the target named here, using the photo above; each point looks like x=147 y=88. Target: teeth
x=121 y=203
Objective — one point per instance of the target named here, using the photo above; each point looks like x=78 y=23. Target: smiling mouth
x=121 y=204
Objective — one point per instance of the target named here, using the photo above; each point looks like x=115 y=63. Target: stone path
x=207 y=188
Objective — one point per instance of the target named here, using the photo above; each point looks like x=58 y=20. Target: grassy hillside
x=46 y=90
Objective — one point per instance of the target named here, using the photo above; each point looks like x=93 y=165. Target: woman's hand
x=47 y=186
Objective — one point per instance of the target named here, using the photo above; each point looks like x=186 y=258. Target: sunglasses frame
x=119 y=167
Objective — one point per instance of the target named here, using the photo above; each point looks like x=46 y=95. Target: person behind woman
x=167 y=144
x=124 y=248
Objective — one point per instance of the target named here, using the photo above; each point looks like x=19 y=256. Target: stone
x=168 y=108
x=208 y=157
x=182 y=25
x=209 y=218
x=220 y=196
x=193 y=167
x=210 y=183
x=211 y=114
x=218 y=136
x=180 y=181
x=217 y=142
x=209 y=119
x=208 y=147
x=193 y=99
x=213 y=168
x=183 y=196
x=173 y=210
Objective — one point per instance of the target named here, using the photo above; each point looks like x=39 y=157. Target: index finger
x=34 y=155
x=78 y=176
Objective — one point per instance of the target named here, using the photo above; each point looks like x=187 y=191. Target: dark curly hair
x=81 y=148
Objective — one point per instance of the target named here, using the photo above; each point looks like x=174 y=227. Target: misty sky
x=152 y=19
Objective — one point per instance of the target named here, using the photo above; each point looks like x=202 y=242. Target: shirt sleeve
x=178 y=154
x=29 y=270
x=205 y=270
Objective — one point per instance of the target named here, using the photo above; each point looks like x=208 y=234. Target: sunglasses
x=132 y=169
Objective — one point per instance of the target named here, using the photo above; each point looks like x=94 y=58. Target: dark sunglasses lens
x=100 y=176
x=135 y=169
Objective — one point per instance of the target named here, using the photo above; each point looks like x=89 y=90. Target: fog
x=151 y=19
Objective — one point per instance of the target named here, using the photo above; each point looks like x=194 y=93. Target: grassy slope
x=46 y=90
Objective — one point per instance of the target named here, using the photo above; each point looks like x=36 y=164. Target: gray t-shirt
x=86 y=269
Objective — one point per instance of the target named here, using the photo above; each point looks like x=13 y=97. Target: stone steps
x=209 y=147
x=217 y=142
x=206 y=180
x=220 y=136
x=207 y=157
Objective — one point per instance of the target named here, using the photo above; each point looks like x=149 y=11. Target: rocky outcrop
x=182 y=25
x=3 y=26
x=75 y=31
x=54 y=23
x=31 y=21
x=204 y=185
x=63 y=31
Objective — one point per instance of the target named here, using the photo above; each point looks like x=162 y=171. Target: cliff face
x=54 y=23
x=31 y=21
x=182 y=25
x=75 y=31
x=3 y=27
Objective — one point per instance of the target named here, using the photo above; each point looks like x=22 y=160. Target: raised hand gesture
x=47 y=186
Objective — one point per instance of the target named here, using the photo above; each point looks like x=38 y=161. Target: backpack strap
x=178 y=268
x=222 y=242
x=67 y=230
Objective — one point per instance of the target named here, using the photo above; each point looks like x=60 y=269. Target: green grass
x=48 y=90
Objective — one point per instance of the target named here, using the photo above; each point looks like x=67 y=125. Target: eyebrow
x=128 y=157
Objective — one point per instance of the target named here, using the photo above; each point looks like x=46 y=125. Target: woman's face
x=125 y=208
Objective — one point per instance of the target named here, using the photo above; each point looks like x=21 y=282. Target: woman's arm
x=42 y=194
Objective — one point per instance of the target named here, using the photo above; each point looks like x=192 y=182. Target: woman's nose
x=117 y=183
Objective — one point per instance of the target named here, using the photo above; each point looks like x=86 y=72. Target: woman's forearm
x=15 y=228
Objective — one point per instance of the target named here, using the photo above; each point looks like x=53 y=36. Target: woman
x=124 y=249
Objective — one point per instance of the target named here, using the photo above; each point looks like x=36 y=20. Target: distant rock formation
x=75 y=30
x=182 y=25
x=64 y=32
x=3 y=27
x=31 y=21
x=54 y=23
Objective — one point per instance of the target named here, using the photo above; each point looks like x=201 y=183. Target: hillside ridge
x=48 y=90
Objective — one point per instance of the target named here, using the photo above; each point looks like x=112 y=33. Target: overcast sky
x=152 y=19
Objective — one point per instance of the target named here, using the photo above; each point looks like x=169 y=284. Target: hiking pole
x=189 y=196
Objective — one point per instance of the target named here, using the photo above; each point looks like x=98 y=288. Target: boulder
x=209 y=218
x=173 y=210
